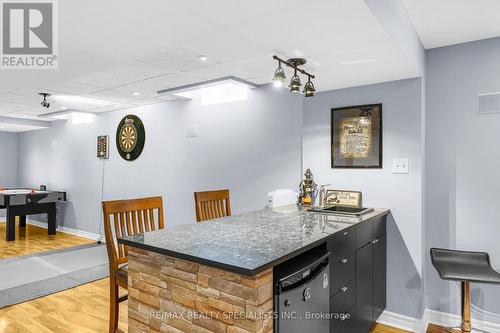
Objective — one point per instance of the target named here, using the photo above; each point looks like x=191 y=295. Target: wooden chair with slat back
x=126 y=218
x=212 y=204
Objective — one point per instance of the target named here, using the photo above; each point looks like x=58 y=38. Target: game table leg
x=11 y=225
x=51 y=219
x=22 y=221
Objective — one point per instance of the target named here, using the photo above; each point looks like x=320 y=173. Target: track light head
x=295 y=83
x=45 y=103
x=279 y=75
x=309 y=88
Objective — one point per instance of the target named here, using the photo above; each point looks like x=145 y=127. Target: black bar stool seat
x=466 y=267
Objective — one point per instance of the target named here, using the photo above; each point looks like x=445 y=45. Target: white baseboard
x=448 y=320
x=71 y=231
x=402 y=322
x=432 y=317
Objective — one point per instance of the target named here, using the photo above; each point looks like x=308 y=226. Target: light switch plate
x=400 y=165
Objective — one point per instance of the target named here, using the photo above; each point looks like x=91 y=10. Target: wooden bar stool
x=465 y=267
x=212 y=204
x=125 y=218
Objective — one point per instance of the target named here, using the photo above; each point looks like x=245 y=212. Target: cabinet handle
x=346 y=233
x=344 y=289
x=375 y=241
x=344 y=261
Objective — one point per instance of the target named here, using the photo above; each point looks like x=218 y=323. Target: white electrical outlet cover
x=401 y=165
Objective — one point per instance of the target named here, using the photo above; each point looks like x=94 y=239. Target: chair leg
x=466 y=325
x=114 y=306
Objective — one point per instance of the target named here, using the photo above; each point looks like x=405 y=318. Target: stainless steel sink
x=342 y=210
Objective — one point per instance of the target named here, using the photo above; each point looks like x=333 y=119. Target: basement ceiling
x=447 y=22
x=116 y=54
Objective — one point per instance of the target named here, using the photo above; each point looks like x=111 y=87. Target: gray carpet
x=29 y=277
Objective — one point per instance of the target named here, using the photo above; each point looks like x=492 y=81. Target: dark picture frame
x=356 y=136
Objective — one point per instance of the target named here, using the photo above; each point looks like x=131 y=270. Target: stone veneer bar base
x=172 y=295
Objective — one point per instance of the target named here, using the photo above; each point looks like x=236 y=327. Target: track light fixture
x=295 y=84
x=45 y=103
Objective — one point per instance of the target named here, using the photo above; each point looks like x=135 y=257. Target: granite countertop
x=248 y=243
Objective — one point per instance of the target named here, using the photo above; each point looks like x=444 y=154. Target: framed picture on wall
x=357 y=136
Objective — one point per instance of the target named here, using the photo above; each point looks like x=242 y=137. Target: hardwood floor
x=34 y=240
x=435 y=329
x=79 y=310
x=381 y=328
x=83 y=309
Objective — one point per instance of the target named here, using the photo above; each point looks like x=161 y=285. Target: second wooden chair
x=212 y=204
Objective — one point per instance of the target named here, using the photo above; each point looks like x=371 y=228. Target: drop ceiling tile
x=176 y=60
x=137 y=70
x=217 y=71
x=173 y=80
x=226 y=46
x=115 y=107
x=84 y=103
x=103 y=80
x=145 y=88
x=19 y=99
x=72 y=88
x=35 y=111
x=114 y=95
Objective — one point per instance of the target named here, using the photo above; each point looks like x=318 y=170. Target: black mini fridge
x=301 y=294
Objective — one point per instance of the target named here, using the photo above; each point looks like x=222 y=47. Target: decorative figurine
x=307 y=189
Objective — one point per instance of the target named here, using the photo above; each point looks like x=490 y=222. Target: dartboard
x=130 y=137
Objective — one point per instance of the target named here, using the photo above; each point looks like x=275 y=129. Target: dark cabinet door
x=346 y=324
x=364 y=288
x=379 y=275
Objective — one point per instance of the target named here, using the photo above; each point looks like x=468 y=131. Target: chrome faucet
x=323 y=195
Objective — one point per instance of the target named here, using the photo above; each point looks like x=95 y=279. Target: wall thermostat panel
x=103 y=146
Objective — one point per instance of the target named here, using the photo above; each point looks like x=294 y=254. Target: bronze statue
x=307 y=189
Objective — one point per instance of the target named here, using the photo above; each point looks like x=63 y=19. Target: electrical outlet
x=400 y=165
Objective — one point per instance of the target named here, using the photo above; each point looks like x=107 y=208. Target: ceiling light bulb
x=278 y=83
x=295 y=83
x=202 y=58
x=64 y=108
x=135 y=93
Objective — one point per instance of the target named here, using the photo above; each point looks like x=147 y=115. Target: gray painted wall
x=463 y=159
x=250 y=147
x=8 y=159
x=401 y=193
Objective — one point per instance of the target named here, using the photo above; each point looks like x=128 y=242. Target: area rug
x=28 y=277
